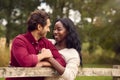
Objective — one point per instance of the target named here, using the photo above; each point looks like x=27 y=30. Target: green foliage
x=104 y=31
x=16 y=13
x=1 y=31
x=103 y=28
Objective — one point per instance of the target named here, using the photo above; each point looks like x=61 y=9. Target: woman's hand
x=43 y=64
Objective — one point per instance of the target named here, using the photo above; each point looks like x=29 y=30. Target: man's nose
x=48 y=29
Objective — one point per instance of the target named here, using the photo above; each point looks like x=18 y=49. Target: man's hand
x=46 y=53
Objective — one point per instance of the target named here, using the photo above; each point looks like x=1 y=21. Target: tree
x=103 y=29
x=99 y=20
x=16 y=13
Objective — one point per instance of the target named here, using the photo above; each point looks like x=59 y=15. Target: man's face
x=46 y=28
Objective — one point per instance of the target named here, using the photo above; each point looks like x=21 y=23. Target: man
x=25 y=47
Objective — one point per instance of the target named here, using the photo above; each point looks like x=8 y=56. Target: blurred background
x=97 y=22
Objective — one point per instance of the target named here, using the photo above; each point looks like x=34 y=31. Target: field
x=89 y=60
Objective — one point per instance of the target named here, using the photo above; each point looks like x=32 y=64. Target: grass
x=97 y=65
x=4 y=57
x=94 y=78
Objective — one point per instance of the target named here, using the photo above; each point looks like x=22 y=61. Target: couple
x=32 y=49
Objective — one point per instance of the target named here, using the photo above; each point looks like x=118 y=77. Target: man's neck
x=35 y=35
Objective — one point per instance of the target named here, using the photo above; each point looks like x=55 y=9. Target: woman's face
x=59 y=32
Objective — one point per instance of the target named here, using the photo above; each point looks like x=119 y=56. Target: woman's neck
x=60 y=45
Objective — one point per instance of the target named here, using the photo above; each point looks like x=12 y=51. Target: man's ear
x=39 y=27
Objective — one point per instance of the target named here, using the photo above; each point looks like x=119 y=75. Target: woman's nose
x=55 y=31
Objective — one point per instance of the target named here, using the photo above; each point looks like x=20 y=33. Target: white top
x=72 y=59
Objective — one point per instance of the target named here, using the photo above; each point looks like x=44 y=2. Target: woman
x=68 y=44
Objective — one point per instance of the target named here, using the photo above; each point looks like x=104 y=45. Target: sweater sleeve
x=73 y=62
x=56 y=54
x=21 y=54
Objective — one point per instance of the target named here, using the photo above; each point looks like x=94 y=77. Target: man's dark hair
x=37 y=17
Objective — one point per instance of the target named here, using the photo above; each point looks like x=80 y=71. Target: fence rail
x=45 y=71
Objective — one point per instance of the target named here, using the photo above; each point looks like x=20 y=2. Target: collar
x=30 y=38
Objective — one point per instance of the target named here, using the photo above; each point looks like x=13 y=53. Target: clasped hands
x=43 y=58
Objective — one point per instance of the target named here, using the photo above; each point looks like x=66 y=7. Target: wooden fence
x=45 y=71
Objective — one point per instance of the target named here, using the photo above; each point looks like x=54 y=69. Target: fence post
x=116 y=67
